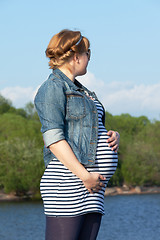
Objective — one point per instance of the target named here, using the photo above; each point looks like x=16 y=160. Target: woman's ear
x=76 y=57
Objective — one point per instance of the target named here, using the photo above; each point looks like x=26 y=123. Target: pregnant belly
x=106 y=160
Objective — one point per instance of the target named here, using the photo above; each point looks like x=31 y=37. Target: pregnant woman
x=80 y=155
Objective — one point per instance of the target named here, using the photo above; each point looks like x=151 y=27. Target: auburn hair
x=62 y=46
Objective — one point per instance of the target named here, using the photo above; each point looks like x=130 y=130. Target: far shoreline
x=125 y=190
x=110 y=191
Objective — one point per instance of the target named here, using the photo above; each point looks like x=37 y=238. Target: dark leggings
x=84 y=227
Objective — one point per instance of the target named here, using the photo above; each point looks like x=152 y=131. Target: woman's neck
x=67 y=72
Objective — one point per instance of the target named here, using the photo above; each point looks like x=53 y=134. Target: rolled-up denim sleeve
x=50 y=103
x=53 y=135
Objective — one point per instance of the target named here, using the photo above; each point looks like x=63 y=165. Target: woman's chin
x=83 y=73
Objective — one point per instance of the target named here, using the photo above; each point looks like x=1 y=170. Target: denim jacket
x=67 y=113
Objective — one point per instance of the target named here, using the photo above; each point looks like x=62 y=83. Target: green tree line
x=21 y=145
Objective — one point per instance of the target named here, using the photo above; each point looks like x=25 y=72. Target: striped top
x=64 y=194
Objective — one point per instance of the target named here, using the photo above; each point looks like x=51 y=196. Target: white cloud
x=126 y=97
x=117 y=97
x=19 y=95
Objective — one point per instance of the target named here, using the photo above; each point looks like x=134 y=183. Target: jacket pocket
x=76 y=108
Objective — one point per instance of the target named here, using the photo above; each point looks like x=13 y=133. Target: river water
x=135 y=217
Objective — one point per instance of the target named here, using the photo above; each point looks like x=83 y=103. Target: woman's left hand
x=113 y=140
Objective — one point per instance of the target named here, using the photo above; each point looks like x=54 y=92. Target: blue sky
x=124 y=69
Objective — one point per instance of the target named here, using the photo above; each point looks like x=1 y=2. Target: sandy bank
x=109 y=192
x=125 y=190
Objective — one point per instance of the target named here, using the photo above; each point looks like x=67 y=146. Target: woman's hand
x=113 y=140
x=93 y=182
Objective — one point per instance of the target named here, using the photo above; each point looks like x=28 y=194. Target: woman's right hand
x=93 y=182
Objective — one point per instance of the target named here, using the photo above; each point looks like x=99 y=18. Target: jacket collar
x=76 y=85
x=59 y=74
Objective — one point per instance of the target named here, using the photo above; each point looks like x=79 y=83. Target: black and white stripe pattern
x=64 y=194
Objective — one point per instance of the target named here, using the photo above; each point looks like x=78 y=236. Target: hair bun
x=63 y=45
